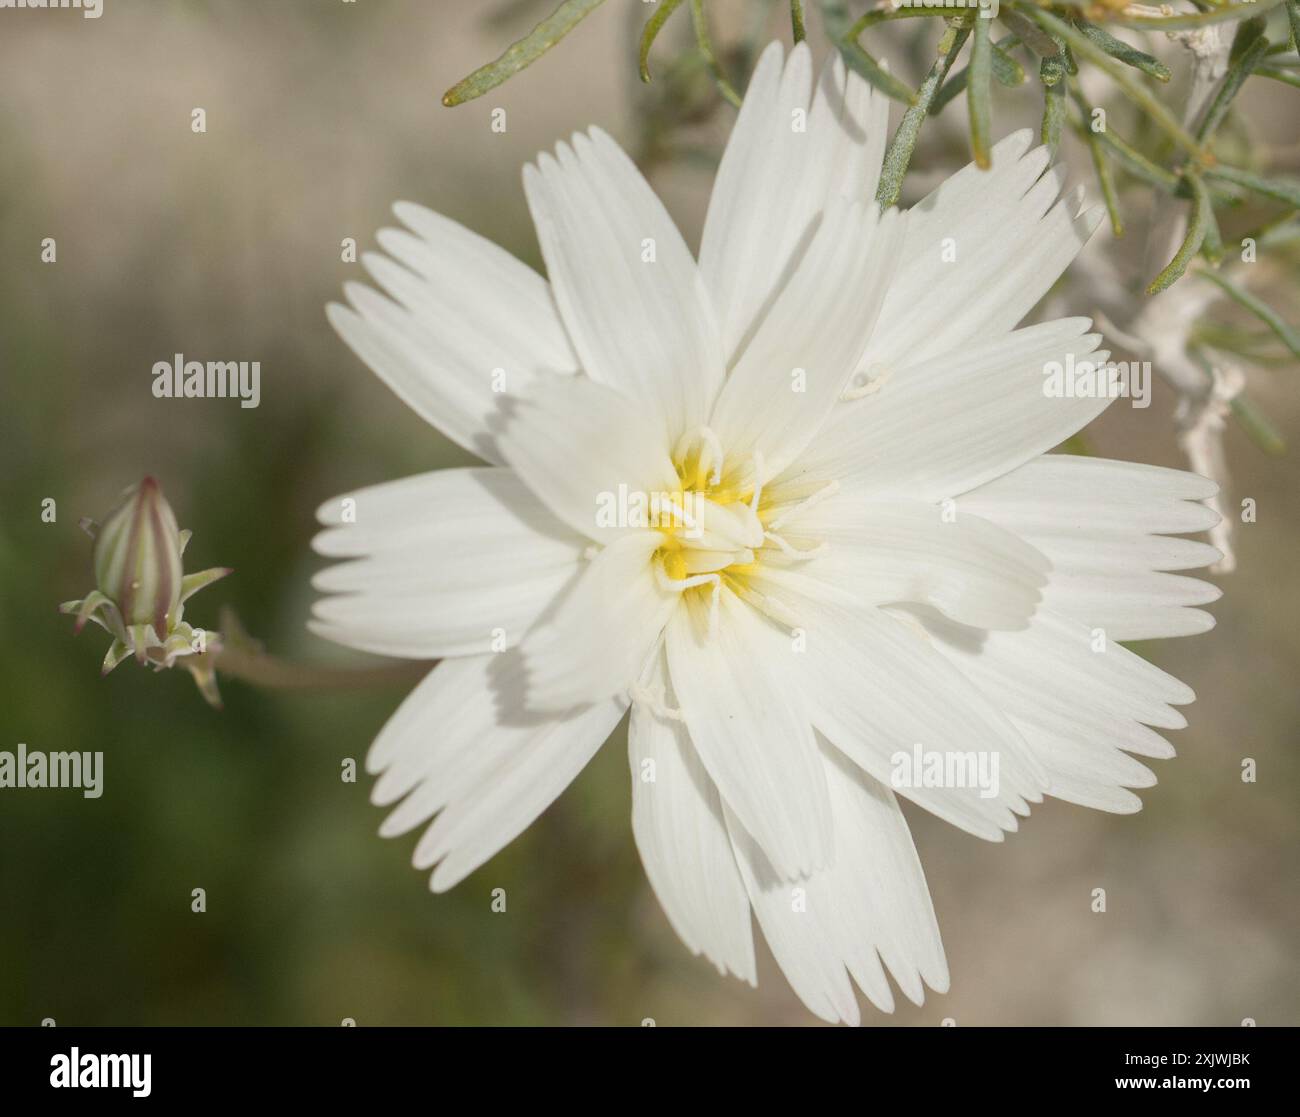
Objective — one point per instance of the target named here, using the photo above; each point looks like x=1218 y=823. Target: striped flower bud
x=138 y=558
x=142 y=587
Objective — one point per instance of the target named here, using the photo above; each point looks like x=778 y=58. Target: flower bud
x=142 y=588
x=138 y=557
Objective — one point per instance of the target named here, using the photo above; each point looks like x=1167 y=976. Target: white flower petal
x=625 y=282
x=465 y=309
x=440 y=564
x=949 y=424
x=876 y=688
x=793 y=372
x=596 y=642
x=1097 y=521
x=745 y=720
x=873 y=904
x=575 y=442
x=968 y=568
x=1098 y=777
x=682 y=837
x=464 y=745
x=981 y=250
x=783 y=163
x=1075 y=731
x=1133 y=606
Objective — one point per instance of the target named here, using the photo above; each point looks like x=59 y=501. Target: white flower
x=873 y=552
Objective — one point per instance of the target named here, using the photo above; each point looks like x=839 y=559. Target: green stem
x=273 y=673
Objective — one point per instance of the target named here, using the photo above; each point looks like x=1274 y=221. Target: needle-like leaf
x=796 y=21
x=1084 y=47
x=977 y=91
x=1106 y=179
x=1183 y=21
x=899 y=153
x=1197 y=221
x=1127 y=54
x=1248 y=48
x=1282 y=329
x=845 y=36
x=1282 y=190
x=522 y=53
x=705 y=42
x=652 y=28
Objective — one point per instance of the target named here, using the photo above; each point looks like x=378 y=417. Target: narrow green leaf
x=1032 y=36
x=1127 y=54
x=866 y=66
x=1123 y=77
x=1212 y=249
x=1053 y=69
x=845 y=35
x=1284 y=229
x=899 y=153
x=956 y=85
x=522 y=53
x=1287 y=77
x=1257 y=427
x=1247 y=33
x=1196 y=223
x=1191 y=21
x=834 y=17
x=977 y=91
x=1280 y=189
x=1053 y=113
x=1133 y=160
x=705 y=42
x=796 y=20
x=1284 y=332
x=953 y=88
x=1238 y=71
x=1106 y=180
x=1006 y=70
x=1293 y=17
x=652 y=28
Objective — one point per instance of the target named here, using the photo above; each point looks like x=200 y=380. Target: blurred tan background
x=226 y=245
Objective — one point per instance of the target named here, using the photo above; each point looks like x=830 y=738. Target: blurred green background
x=226 y=245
